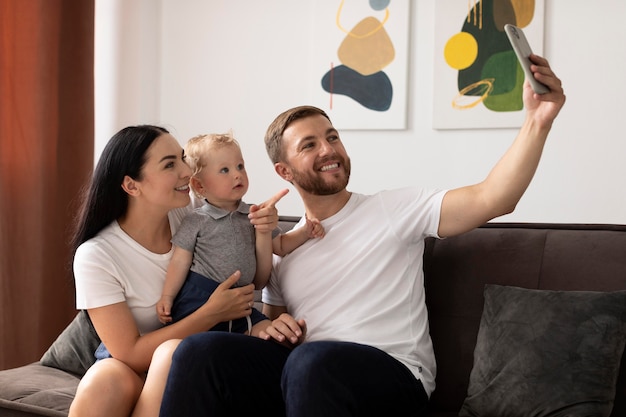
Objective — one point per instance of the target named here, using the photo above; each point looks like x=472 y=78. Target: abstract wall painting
x=478 y=81
x=360 y=62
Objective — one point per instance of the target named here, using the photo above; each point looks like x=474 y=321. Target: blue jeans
x=227 y=374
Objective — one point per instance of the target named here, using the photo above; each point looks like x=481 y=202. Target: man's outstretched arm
x=468 y=207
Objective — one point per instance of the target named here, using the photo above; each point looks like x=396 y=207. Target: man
x=356 y=296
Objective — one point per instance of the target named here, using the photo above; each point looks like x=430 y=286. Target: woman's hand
x=285 y=330
x=264 y=217
x=229 y=303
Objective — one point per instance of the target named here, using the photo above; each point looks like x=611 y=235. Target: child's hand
x=164 y=309
x=314 y=228
x=264 y=217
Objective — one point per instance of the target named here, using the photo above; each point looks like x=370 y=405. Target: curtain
x=46 y=155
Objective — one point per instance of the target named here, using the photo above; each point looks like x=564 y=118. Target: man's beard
x=317 y=186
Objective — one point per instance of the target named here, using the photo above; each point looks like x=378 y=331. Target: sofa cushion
x=36 y=390
x=545 y=353
x=73 y=351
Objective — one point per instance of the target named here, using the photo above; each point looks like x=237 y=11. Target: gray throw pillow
x=546 y=353
x=73 y=351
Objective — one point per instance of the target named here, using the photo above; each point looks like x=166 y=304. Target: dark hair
x=103 y=199
x=274 y=134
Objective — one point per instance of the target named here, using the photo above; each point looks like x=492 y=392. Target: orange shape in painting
x=483 y=88
x=524 y=11
x=367 y=49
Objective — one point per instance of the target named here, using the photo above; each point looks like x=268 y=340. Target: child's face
x=223 y=181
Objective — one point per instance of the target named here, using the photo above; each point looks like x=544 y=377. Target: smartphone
x=522 y=50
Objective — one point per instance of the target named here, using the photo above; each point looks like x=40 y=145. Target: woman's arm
x=117 y=329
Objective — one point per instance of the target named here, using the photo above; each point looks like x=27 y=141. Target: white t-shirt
x=363 y=281
x=112 y=267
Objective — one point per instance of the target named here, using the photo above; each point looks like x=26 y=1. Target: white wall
x=127 y=66
x=220 y=64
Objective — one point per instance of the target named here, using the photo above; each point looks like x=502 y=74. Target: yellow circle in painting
x=461 y=50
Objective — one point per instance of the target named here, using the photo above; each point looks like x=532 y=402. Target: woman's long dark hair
x=103 y=199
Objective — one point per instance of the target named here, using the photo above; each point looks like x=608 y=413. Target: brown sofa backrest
x=536 y=256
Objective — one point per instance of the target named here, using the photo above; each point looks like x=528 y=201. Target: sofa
x=515 y=310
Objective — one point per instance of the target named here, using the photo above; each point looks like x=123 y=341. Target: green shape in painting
x=510 y=85
x=502 y=67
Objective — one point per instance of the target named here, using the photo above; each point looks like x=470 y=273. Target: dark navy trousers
x=195 y=291
x=227 y=374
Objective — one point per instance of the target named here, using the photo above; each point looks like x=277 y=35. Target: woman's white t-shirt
x=111 y=268
x=363 y=281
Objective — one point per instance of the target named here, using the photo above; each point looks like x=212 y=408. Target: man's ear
x=284 y=171
x=129 y=185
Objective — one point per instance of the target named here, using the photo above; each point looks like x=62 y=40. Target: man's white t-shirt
x=363 y=281
x=112 y=267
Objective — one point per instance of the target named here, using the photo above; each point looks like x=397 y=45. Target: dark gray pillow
x=546 y=353
x=73 y=351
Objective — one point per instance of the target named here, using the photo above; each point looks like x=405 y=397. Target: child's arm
x=264 y=218
x=177 y=271
x=263 y=258
x=287 y=242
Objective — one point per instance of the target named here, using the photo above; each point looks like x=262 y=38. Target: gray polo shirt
x=221 y=242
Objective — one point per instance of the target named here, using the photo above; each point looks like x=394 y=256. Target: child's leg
x=149 y=402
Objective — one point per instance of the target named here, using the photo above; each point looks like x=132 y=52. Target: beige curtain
x=46 y=153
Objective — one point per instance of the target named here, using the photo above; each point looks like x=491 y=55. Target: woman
x=136 y=199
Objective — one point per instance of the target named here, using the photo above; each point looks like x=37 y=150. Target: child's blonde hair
x=198 y=148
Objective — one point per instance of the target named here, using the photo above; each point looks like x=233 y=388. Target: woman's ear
x=129 y=185
x=284 y=171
